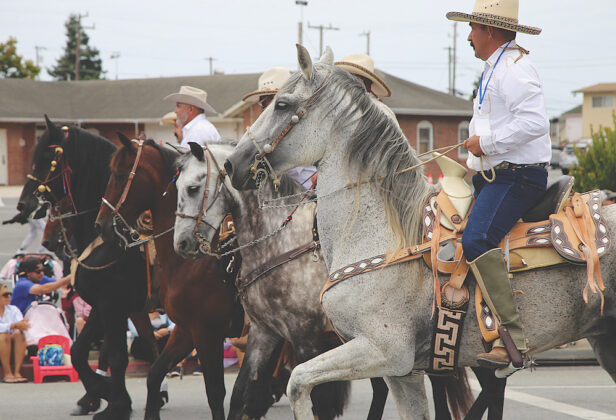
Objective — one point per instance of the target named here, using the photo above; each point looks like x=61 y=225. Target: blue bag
x=51 y=355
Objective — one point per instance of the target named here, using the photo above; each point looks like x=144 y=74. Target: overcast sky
x=408 y=38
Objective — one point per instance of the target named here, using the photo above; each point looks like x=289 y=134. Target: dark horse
x=198 y=295
x=75 y=163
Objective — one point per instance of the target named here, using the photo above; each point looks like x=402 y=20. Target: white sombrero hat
x=169 y=118
x=191 y=96
x=363 y=65
x=269 y=83
x=498 y=13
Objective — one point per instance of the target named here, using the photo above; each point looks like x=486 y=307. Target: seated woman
x=12 y=339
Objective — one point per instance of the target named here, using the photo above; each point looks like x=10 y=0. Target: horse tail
x=459 y=394
x=331 y=398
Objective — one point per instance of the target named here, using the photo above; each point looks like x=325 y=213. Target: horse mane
x=377 y=151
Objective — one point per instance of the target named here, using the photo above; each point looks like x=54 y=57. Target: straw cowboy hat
x=363 y=65
x=269 y=83
x=498 y=13
x=169 y=118
x=191 y=96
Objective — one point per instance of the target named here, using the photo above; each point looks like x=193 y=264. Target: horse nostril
x=183 y=245
x=228 y=168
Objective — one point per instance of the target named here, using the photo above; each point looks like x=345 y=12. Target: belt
x=509 y=165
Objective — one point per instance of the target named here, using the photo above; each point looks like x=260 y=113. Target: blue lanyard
x=482 y=92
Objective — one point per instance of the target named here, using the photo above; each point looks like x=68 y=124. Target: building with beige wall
x=598 y=107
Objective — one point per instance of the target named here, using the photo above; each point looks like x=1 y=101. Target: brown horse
x=198 y=295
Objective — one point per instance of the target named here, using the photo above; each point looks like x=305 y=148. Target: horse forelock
x=378 y=149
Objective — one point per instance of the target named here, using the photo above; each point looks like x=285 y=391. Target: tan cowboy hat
x=498 y=13
x=269 y=83
x=169 y=118
x=191 y=96
x=363 y=65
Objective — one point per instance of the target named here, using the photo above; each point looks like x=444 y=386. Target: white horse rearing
x=385 y=315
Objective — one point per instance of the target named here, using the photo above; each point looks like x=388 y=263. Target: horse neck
x=253 y=223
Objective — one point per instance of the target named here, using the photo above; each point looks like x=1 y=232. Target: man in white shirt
x=191 y=105
x=509 y=129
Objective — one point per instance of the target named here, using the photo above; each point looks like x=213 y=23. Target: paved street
x=546 y=393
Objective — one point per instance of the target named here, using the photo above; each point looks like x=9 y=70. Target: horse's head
x=45 y=180
x=205 y=197
x=139 y=175
x=294 y=129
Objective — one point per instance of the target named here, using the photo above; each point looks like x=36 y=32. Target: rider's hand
x=472 y=145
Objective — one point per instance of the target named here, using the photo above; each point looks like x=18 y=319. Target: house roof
x=141 y=99
x=600 y=87
x=576 y=110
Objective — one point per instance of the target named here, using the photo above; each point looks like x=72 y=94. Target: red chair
x=66 y=370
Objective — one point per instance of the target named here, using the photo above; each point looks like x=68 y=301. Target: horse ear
x=53 y=129
x=125 y=140
x=197 y=150
x=304 y=60
x=327 y=57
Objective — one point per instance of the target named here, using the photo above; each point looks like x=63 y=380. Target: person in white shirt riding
x=191 y=106
x=510 y=129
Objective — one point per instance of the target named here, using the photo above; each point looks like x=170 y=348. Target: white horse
x=385 y=315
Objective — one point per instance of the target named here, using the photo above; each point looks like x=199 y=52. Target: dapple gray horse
x=323 y=116
x=282 y=304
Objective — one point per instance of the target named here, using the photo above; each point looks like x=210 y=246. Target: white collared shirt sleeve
x=524 y=100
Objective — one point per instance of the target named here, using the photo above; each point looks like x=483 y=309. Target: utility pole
x=322 y=28
x=115 y=56
x=453 y=73
x=449 y=70
x=78 y=47
x=300 y=25
x=367 y=35
x=210 y=59
x=38 y=55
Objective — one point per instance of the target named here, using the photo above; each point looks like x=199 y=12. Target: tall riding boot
x=492 y=277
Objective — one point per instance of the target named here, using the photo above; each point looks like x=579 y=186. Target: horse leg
x=237 y=396
x=491 y=397
x=358 y=359
x=439 y=395
x=603 y=347
x=179 y=345
x=119 y=406
x=209 y=344
x=96 y=386
x=379 y=397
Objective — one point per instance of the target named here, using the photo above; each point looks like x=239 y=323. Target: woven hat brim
x=466 y=17
x=379 y=87
x=190 y=100
x=253 y=97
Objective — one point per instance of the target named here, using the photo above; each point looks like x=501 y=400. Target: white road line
x=547 y=404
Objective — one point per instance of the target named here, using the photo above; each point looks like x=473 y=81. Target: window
x=606 y=101
x=425 y=137
x=463 y=134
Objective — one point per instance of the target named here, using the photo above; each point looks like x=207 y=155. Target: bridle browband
x=204 y=245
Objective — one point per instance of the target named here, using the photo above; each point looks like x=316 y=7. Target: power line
x=322 y=28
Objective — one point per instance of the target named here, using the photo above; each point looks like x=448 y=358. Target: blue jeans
x=499 y=205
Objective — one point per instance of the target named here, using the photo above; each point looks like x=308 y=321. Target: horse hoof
x=113 y=414
x=80 y=411
x=152 y=416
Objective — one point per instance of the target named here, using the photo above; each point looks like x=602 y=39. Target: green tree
x=596 y=168
x=12 y=65
x=90 y=63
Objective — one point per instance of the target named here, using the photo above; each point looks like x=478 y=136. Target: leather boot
x=491 y=274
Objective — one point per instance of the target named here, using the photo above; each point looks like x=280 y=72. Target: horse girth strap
x=131 y=175
x=254 y=275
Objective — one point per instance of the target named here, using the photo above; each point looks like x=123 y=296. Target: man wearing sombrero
x=509 y=129
x=268 y=85
x=190 y=108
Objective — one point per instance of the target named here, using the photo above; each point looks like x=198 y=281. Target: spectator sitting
x=32 y=283
x=12 y=325
x=162 y=326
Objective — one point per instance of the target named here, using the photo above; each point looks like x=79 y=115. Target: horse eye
x=281 y=106
x=192 y=190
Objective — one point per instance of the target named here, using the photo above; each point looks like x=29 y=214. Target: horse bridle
x=261 y=163
x=204 y=245
x=120 y=225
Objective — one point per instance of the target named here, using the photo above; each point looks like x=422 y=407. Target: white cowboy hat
x=363 y=65
x=498 y=13
x=169 y=118
x=191 y=96
x=269 y=83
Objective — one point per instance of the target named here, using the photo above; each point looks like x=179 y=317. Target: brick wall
x=20 y=148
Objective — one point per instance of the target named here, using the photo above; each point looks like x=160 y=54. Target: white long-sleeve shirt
x=199 y=130
x=11 y=315
x=515 y=106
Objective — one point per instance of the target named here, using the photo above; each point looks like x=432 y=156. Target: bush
x=596 y=169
